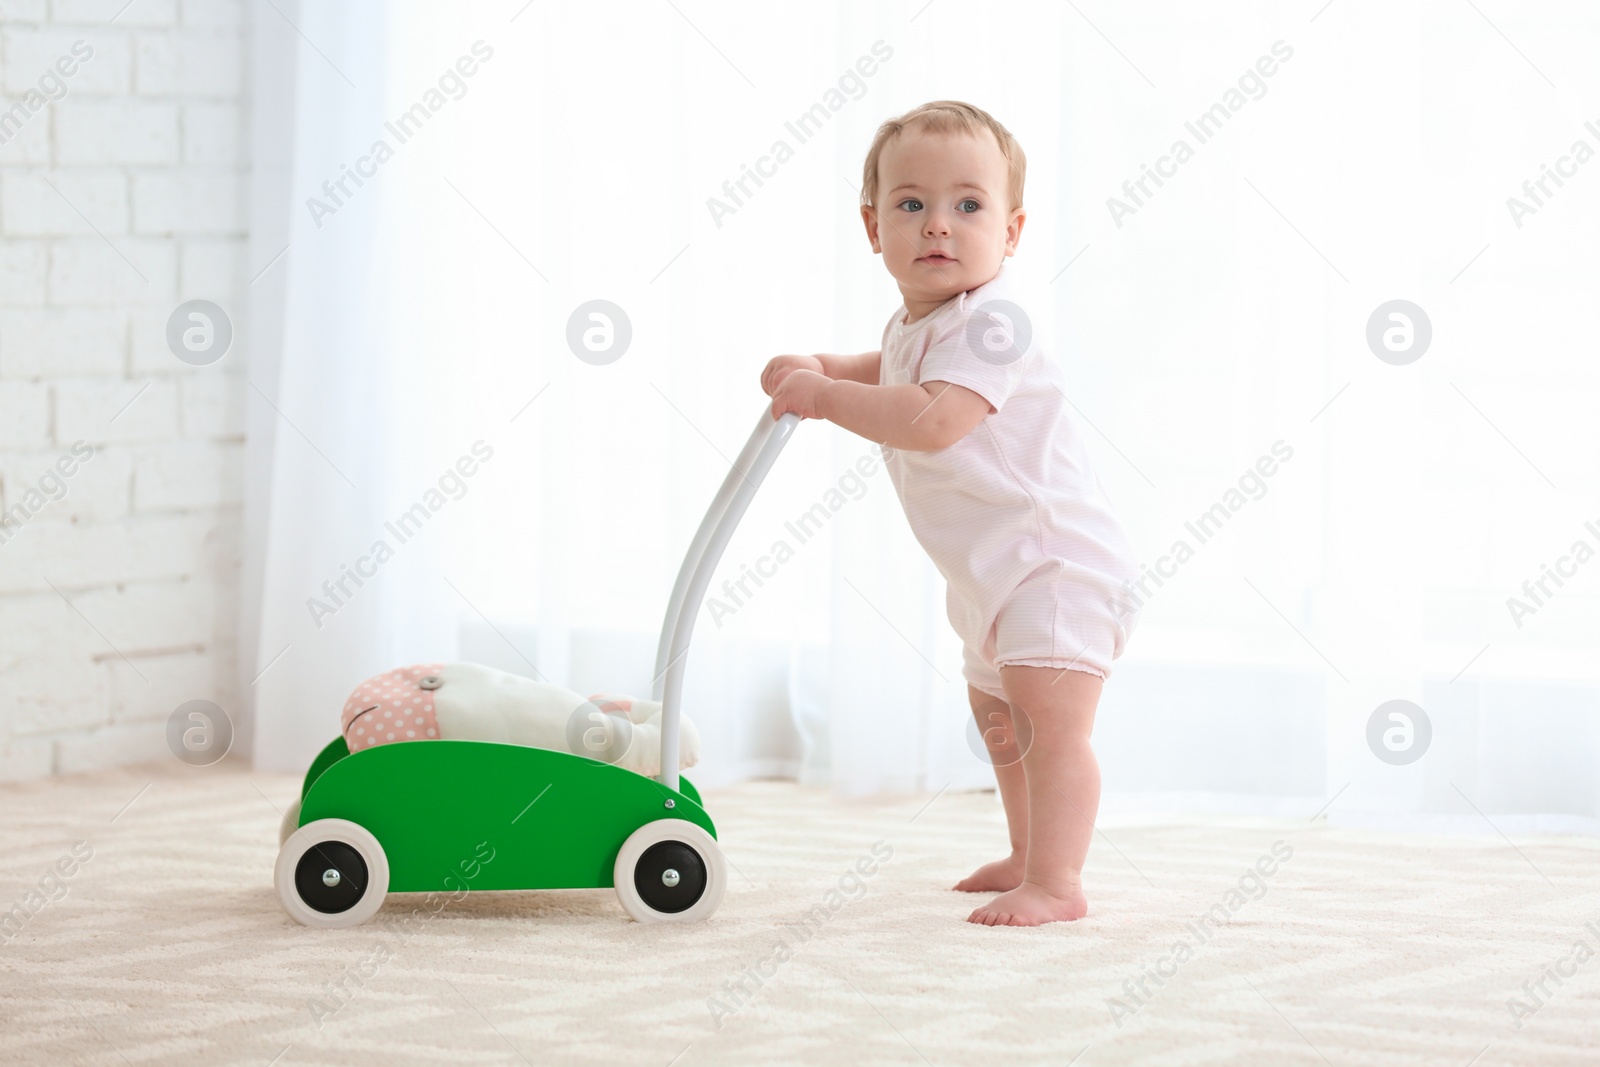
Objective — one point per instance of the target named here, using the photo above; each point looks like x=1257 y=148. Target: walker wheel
x=331 y=873
x=670 y=870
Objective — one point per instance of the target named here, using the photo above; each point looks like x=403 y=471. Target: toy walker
x=450 y=816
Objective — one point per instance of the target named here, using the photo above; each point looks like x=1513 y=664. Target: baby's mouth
x=936 y=260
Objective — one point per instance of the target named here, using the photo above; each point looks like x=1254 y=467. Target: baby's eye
x=974 y=203
x=903 y=203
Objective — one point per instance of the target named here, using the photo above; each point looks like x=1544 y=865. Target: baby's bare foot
x=1030 y=904
x=996 y=877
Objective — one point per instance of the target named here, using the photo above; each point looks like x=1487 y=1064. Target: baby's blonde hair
x=945 y=116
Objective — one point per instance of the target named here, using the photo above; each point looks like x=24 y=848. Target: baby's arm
x=862 y=368
x=904 y=416
x=916 y=418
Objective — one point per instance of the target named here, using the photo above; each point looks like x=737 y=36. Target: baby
x=991 y=468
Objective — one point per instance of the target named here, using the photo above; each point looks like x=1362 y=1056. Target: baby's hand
x=780 y=367
x=800 y=392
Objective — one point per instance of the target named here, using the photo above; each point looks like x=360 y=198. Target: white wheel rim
x=312 y=834
x=670 y=830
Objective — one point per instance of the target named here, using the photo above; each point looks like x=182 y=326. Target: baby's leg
x=1063 y=788
x=999 y=735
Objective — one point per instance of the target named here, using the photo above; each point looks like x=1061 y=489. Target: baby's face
x=942 y=193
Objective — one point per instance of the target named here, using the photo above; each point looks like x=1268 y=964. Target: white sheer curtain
x=344 y=405
x=1225 y=315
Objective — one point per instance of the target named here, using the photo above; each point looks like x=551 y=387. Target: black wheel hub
x=331 y=877
x=670 y=876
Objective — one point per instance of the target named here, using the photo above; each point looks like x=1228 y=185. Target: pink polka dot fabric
x=391 y=707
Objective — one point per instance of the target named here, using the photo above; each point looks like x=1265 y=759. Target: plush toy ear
x=645 y=711
x=689 y=744
x=643 y=755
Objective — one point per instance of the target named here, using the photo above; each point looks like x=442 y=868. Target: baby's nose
x=936 y=225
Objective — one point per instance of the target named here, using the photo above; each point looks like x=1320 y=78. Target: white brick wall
x=118 y=200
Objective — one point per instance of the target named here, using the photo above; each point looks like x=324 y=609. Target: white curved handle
x=738 y=489
x=697 y=546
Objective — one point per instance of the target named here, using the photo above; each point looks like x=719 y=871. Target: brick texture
x=122 y=194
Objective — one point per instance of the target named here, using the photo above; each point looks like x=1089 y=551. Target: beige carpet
x=170 y=947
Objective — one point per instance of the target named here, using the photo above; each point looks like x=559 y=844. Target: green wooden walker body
x=449 y=815
x=553 y=819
